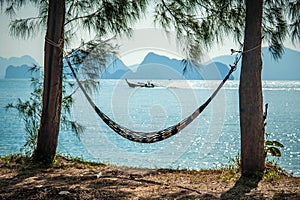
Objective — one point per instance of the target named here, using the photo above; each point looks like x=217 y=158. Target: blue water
x=209 y=142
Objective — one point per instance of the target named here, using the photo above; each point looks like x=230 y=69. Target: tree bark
x=250 y=93
x=52 y=94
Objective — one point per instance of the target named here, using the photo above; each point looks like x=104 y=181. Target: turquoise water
x=210 y=141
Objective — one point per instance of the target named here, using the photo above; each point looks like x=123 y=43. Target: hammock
x=155 y=136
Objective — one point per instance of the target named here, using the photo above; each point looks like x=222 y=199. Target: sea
x=211 y=141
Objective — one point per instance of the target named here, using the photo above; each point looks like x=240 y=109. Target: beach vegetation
x=30 y=112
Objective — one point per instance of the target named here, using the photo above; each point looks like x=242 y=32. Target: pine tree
x=61 y=19
x=250 y=22
x=52 y=93
x=250 y=94
x=103 y=19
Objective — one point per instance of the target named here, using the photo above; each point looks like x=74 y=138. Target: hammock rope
x=155 y=136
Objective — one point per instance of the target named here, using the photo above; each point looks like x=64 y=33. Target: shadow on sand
x=243 y=186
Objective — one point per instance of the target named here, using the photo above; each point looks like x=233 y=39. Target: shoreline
x=76 y=179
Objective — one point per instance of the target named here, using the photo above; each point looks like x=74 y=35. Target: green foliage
x=99 y=18
x=234 y=163
x=12 y=160
x=274 y=143
x=293 y=14
x=275 y=26
x=274 y=151
x=273 y=172
x=230 y=171
x=281 y=20
x=89 y=60
x=65 y=162
x=199 y=24
x=30 y=113
x=271 y=146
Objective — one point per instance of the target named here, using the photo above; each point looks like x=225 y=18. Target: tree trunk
x=251 y=100
x=52 y=94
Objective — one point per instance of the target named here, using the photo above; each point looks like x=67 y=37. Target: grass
x=229 y=172
x=15 y=159
x=273 y=172
x=79 y=163
x=226 y=173
x=22 y=178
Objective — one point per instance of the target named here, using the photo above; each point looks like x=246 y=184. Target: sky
x=132 y=50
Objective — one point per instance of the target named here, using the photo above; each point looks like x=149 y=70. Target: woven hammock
x=155 y=136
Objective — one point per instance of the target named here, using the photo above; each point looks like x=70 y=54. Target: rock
x=99 y=174
x=91 y=174
x=64 y=193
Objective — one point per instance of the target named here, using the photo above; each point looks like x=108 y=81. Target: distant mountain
x=20 y=72
x=287 y=68
x=15 y=61
x=215 y=71
x=155 y=66
x=115 y=69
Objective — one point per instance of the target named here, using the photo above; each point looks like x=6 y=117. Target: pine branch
x=85 y=16
x=168 y=9
x=26 y=28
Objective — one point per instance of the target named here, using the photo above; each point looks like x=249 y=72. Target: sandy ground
x=70 y=179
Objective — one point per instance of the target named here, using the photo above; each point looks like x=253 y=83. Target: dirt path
x=69 y=179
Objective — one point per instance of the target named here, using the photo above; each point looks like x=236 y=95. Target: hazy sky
x=15 y=47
